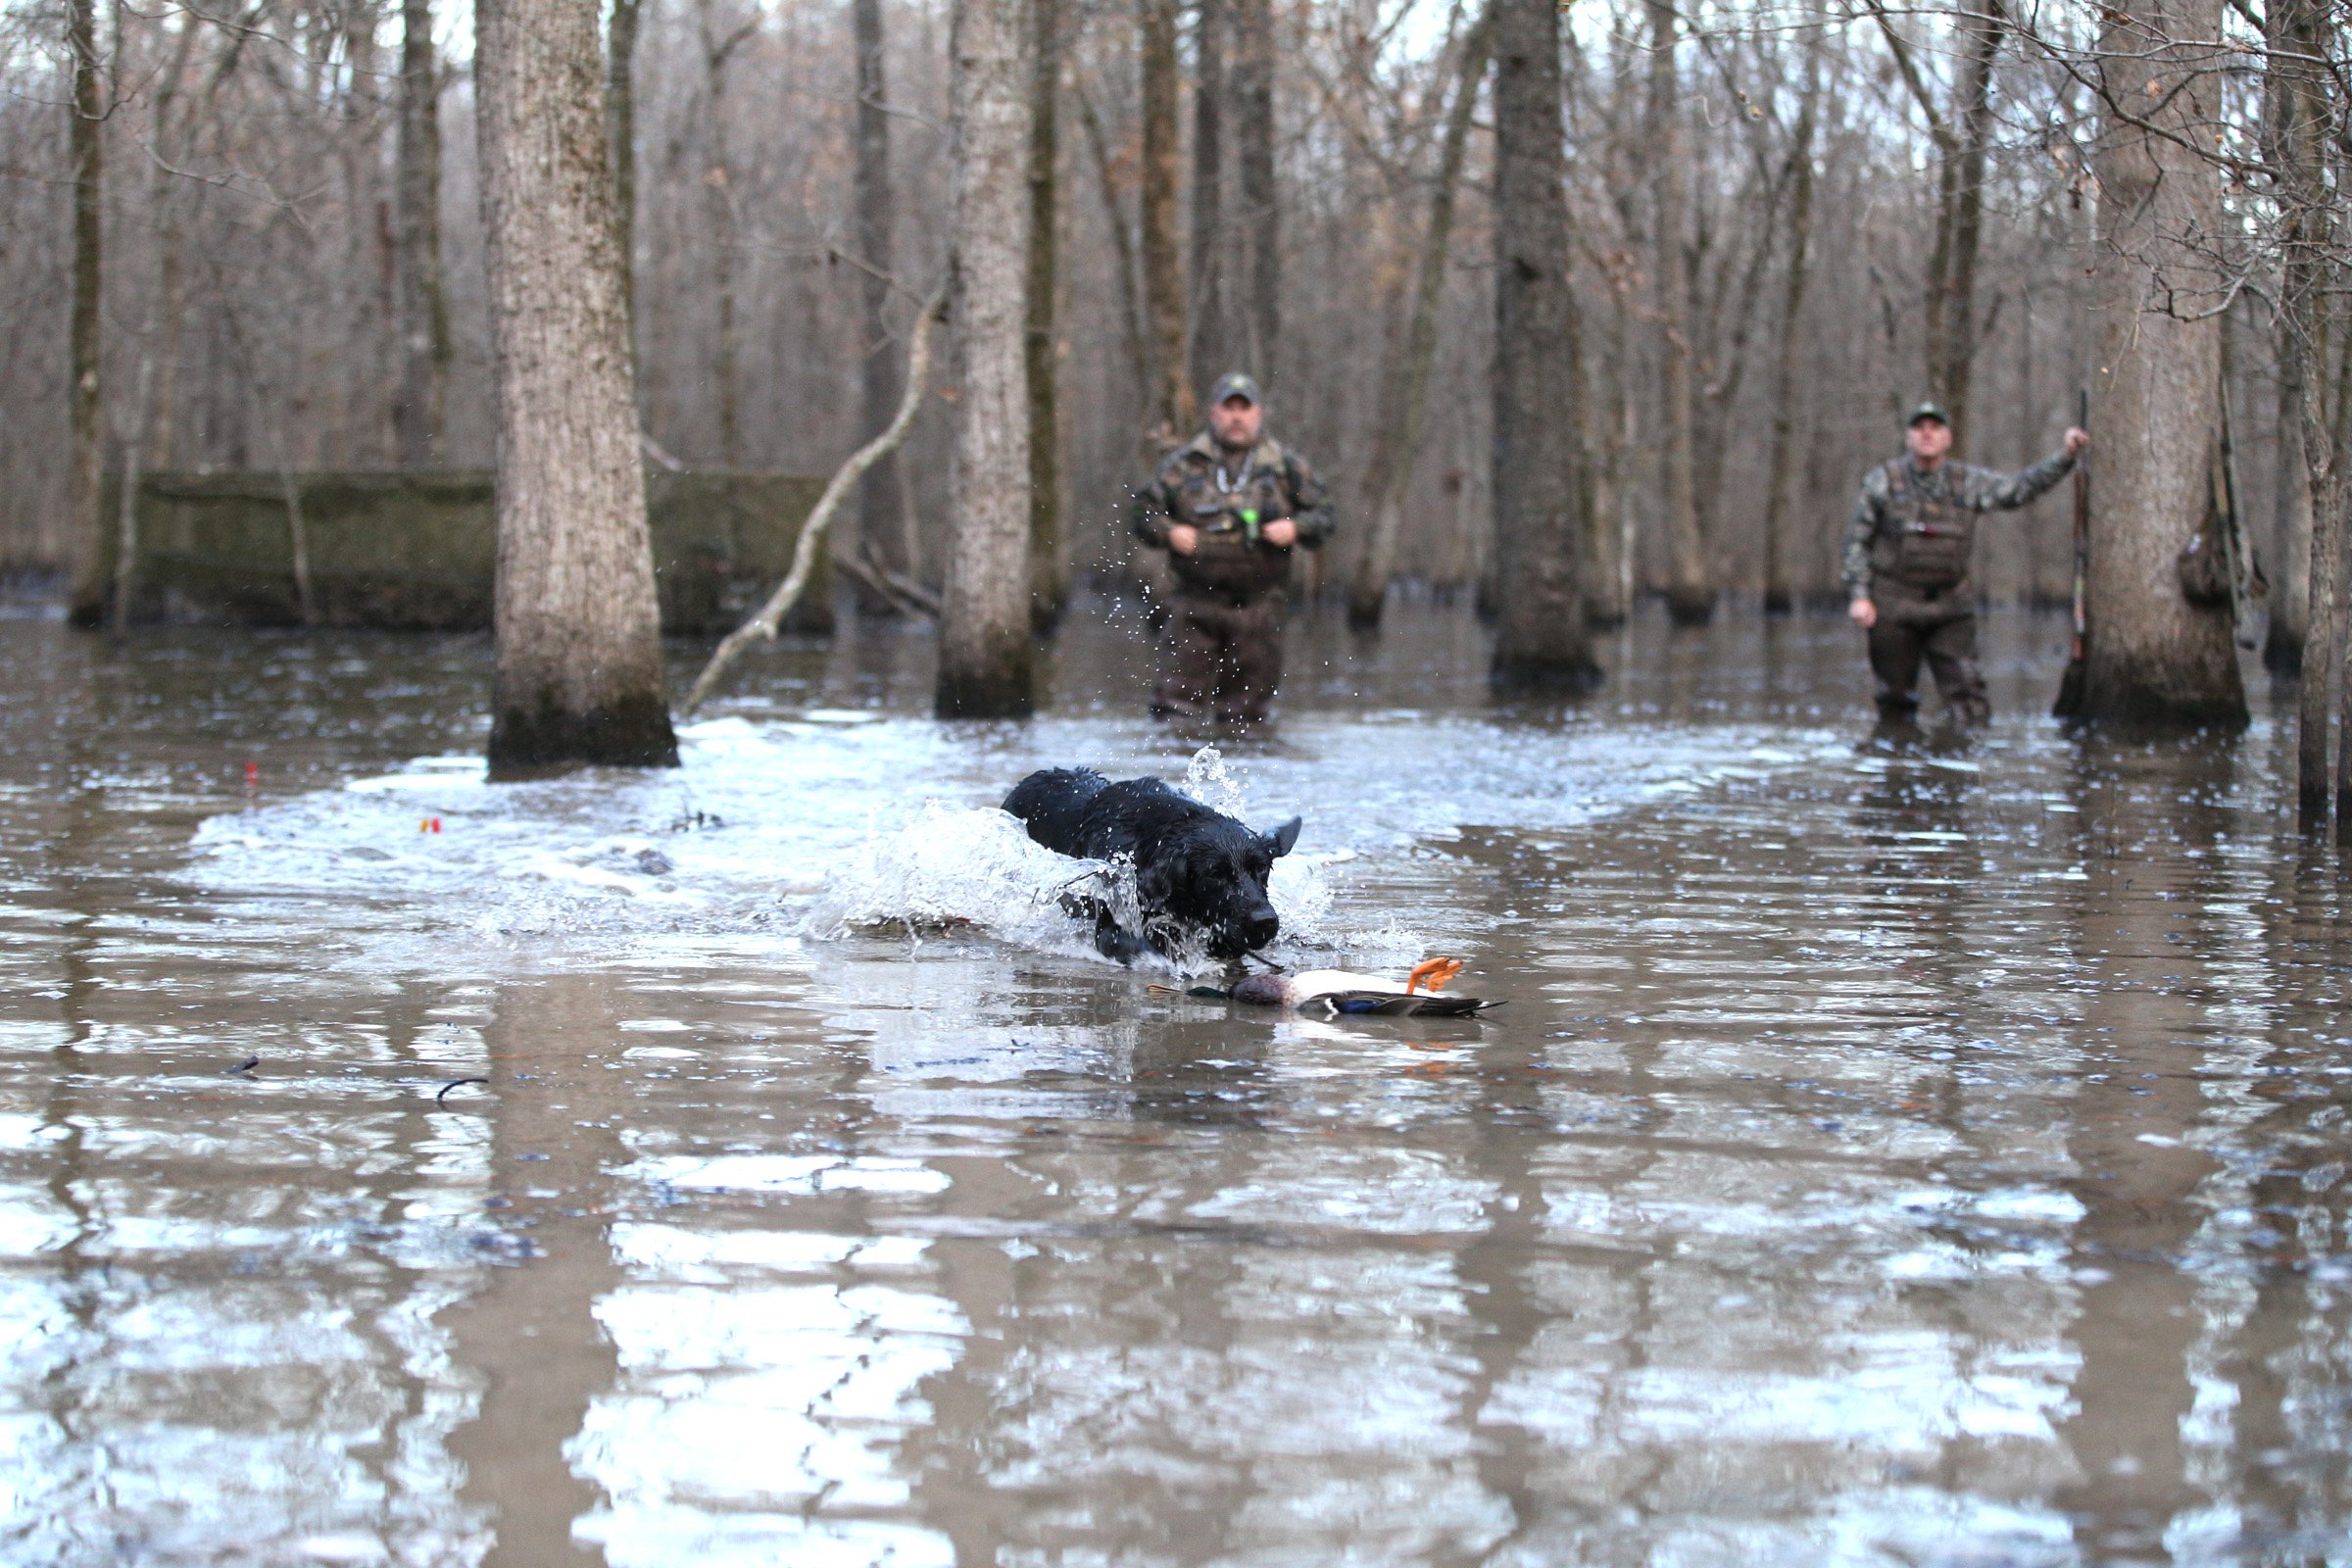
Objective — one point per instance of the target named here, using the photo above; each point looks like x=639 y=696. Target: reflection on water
x=1926 y=1156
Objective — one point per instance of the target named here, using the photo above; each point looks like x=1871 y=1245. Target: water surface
x=1923 y=1158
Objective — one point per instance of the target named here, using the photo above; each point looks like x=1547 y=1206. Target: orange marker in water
x=432 y=824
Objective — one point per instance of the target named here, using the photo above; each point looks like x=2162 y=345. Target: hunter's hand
x=2077 y=439
x=1183 y=538
x=1863 y=614
x=1281 y=531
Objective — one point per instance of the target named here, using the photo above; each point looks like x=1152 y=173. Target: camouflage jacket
x=1197 y=484
x=1916 y=530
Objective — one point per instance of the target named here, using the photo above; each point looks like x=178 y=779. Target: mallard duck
x=1334 y=993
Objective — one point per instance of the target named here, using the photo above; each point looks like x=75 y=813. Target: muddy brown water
x=1925 y=1159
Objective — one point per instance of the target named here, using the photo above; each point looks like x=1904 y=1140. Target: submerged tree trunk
x=1261 y=215
x=579 y=675
x=984 y=645
x=1367 y=594
x=1690 y=586
x=1541 y=640
x=1049 y=571
x=1778 y=599
x=2153 y=658
x=881 y=497
x=1208 y=350
x=85 y=584
x=424 y=344
x=1173 y=403
x=621 y=139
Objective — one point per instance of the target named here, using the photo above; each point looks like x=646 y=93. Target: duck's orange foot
x=1435 y=971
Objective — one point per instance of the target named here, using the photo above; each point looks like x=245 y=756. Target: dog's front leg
x=1113 y=940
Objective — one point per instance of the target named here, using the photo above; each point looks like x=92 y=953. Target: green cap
x=1233 y=384
x=1930 y=409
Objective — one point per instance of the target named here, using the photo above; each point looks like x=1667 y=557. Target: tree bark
x=1261 y=214
x=1541 y=638
x=620 y=137
x=1049 y=570
x=2154 y=660
x=1175 y=406
x=881 y=496
x=720 y=200
x=579 y=675
x=418 y=410
x=1367 y=594
x=1952 y=310
x=1690 y=588
x=86 y=573
x=1778 y=598
x=1208 y=351
x=984 y=640
x=2292 y=122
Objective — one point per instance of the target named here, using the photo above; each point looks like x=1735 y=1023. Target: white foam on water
x=833 y=822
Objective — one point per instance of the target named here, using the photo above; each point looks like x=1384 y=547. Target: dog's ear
x=1283 y=837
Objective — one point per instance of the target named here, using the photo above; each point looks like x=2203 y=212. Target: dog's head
x=1211 y=874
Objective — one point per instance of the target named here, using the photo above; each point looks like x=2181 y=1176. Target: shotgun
x=2069 y=685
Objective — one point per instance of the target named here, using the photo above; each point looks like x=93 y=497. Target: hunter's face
x=1929 y=440
x=1235 y=422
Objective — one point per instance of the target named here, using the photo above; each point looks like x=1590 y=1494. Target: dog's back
x=1076 y=810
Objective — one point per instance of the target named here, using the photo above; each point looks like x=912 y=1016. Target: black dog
x=1195 y=868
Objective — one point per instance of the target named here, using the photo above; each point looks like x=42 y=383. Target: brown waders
x=1941 y=628
x=1219 y=659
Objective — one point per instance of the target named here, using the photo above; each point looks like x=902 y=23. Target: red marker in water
x=432 y=824
x=253 y=775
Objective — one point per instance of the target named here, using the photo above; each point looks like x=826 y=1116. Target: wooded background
x=1786 y=226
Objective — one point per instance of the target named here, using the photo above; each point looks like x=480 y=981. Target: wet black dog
x=1195 y=870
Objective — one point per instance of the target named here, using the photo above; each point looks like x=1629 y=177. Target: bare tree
x=86 y=584
x=985 y=663
x=883 y=536
x=717 y=48
x=1208 y=358
x=1175 y=403
x=1778 y=598
x=1395 y=457
x=579 y=674
x=422 y=305
x=1541 y=641
x=1049 y=560
x=2153 y=658
x=1255 y=54
x=1691 y=587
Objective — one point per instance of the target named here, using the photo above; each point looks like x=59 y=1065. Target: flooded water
x=1927 y=1158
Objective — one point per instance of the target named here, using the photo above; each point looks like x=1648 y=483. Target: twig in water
x=455 y=1083
x=247 y=1065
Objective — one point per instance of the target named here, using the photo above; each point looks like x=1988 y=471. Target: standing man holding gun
x=1907 y=552
x=1229 y=506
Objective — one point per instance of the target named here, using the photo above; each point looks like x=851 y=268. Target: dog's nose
x=1263 y=928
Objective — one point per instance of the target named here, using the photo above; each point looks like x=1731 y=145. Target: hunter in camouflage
x=1229 y=506
x=1908 y=555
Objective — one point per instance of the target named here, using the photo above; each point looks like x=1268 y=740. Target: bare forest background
x=1786 y=226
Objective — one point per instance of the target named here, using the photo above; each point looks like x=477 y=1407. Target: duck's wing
x=1393 y=1004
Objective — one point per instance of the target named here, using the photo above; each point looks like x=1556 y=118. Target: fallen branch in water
x=771 y=614
x=905 y=593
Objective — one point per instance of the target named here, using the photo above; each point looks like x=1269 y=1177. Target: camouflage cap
x=1930 y=409
x=1233 y=384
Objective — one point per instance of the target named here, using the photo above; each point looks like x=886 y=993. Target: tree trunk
x=1208 y=351
x=2154 y=658
x=1778 y=598
x=1369 y=594
x=418 y=410
x=719 y=199
x=1261 y=214
x=579 y=675
x=621 y=137
x=1174 y=405
x=1952 y=309
x=1049 y=571
x=85 y=575
x=1541 y=640
x=881 y=498
x=984 y=641
x=1690 y=588
x=2293 y=109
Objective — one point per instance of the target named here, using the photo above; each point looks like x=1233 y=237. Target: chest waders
x=1221 y=649
x=1919 y=574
